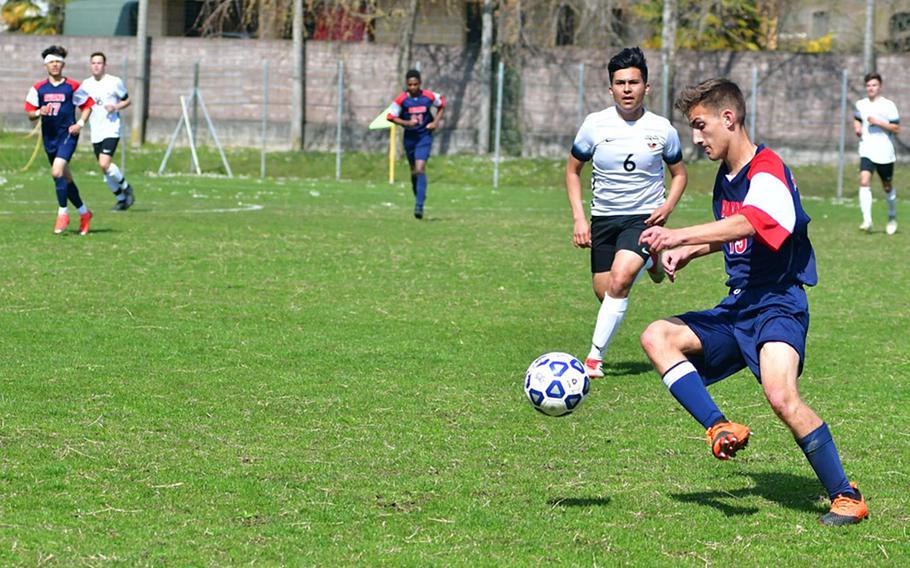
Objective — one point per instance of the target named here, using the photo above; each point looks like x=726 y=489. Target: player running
x=110 y=96
x=54 y=101
x=761 y=228
x=627 y=146
x=412 y=111
x=875 y=121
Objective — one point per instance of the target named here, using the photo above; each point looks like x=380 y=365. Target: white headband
x=52 y=57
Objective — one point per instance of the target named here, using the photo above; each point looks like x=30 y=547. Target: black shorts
x=885 y=171
x=107 y=146
x=612 y=233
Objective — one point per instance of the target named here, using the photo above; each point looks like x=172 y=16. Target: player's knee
x=784 y=402
x=655 y=338
x=619 y=287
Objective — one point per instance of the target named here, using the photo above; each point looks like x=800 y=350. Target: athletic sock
x=421 y=191
x=865 y=203
x=414 y=184
x=114 y=180
x=62 y=211
x=72 y=192
x=891 y=199
x=609 y=317
x=83 y=210
x=687 y=387
x=60 y=186
x=818 y=445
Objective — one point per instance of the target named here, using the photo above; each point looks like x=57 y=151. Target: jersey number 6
x=628 y=165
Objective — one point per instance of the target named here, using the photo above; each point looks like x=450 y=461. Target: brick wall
x=798 y=102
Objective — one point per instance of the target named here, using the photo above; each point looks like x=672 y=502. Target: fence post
x=753 y=103
x=338 y=128
x=581 y=92
x=123 y=122
x=843 y=135
x=265 y=116
x=498 y=124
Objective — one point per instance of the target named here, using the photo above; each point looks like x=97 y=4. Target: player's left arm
x=440 y=103
x=85 y=103
x=714 y=234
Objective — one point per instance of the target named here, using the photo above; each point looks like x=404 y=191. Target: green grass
x=326 y=381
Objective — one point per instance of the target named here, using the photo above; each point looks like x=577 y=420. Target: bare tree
x=406 y=37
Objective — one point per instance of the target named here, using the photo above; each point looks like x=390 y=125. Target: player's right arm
x=394 y=114
x=857 y=121
x=581 y=233
x=32 y=110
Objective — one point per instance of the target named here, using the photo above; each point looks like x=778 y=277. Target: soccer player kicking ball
x=110 y=96
x=54 y=100
x=628 y=146
x=762 y=230
x=411 y=110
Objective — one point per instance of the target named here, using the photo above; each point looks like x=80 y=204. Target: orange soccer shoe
x=84 y=221
x=846 y=509
x=727 y=438
x=63 y=221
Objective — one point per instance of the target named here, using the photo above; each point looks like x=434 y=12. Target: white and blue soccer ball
x=556 y=384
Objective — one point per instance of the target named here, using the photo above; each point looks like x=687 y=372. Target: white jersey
x=875 y=143
x=108 y=90
x=628 y=160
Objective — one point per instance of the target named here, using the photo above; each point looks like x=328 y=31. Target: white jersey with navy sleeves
x=627 y=159
x=875 y=143
x=108 y=90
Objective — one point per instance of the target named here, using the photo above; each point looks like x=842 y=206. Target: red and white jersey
x=108 y=90
x=875 y=143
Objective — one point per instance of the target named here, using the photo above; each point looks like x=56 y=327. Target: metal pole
x=140 y=96
x=843 y=135
x=195 y=105
x=265 y=116
x=498 y=124
x=665 y=89
x=123 y=122
x=340 y=113
x=753 y=103
x=581 y=92
x=189 y=135
x=208 y=120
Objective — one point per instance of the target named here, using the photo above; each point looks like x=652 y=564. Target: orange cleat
x=63 y=221
x=846 y=509
x=84 y=221
x=727 y=438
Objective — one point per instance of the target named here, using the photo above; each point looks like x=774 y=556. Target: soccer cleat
x=593 y=368
x=846 y=509
x=84 y=221
x=891 y=227
x=656 y=272
x=418 y=213
x=727 y=438
x=867 y=227
x=130 y=197
x=120 y=206
x=63 y=221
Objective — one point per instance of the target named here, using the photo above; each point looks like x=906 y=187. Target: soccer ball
x=556 y=384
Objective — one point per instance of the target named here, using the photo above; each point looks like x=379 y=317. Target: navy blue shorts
x=418 y=148
x=733 y=332
x=64 y=146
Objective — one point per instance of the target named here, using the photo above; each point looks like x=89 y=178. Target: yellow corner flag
x=379 y=123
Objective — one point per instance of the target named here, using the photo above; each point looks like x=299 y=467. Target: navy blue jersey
x=406 y=106
x=780 y=252
x=61 y=100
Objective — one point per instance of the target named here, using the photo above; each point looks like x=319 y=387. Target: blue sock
x=687 y=387
x=60 y=186
x=73 y=193
x=414 y=184
x=818 y=445
x=421 y=191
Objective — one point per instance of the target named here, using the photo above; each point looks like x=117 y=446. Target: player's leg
x=612 y=288
x=865 y=192
x=72 y=194
x=780 y=366
x=113 y=178
x=57 y=173
x=421 y=156
x=886 y=173
x=676 y=348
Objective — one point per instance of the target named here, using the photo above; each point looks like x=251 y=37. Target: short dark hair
x=54 y=50
x=871 y=76
x=716 y=94
x=412 y=73
x=98 y=54
x=629 y=57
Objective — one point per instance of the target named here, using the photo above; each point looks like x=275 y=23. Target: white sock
x=62 y=211
x=612 y=310
x=891 y=198
x=83 y=210
x=113 y=178
x=865 y=203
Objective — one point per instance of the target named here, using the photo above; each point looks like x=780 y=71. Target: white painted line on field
x=244 y=209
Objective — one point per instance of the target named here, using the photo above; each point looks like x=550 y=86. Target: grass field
x=294 y=371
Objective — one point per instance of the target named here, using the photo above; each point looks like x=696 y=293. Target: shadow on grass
x=579 y=501
x=792 y=491
x=626 y=368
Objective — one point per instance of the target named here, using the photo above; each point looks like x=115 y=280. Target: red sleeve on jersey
x=398 y=100
x=432 y=96
x=768 y=162
x=30 y=107
x=767 y=230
